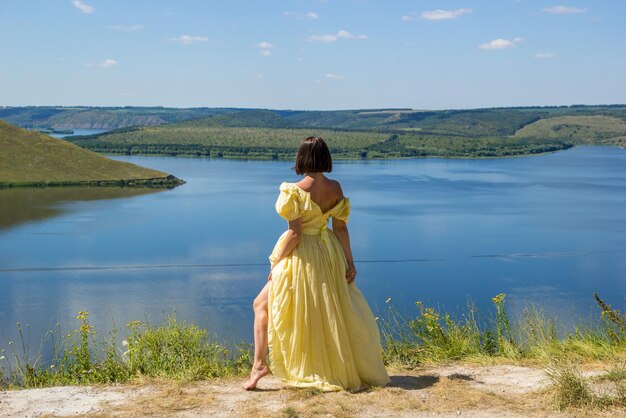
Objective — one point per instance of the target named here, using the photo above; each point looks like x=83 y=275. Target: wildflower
x=10 y=342
x=2 y=357
x=52 y=366
x=124 y=343
x=377 y=318
x=498 y=298
x=388 y=300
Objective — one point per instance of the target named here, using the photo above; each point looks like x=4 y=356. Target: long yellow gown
x=321 y=331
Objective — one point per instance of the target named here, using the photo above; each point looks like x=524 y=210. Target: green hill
x=31 y=159
x=59 y=117
x=597 y=129
x=353 y=134
x=401 y=133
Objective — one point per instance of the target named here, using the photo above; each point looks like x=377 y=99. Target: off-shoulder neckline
x=313 y=201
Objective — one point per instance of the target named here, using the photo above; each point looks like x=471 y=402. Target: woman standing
x=320 y=331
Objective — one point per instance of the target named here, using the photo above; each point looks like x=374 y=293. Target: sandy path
x=477 y=391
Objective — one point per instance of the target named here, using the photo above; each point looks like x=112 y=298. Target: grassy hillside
x=370 y=133
x=229 y=142
x=470 y=122
x=579 y=129
x=31 y=158
x=271 y=134
x=52 y=117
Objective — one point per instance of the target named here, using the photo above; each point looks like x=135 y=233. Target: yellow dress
x=321 y=331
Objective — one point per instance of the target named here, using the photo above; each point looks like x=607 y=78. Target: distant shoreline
x=164 y=182
x=343 y=158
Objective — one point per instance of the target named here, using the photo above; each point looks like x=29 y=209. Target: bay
x=546 y=230
x=76 y=132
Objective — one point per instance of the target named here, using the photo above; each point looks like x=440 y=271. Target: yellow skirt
x=321 y=331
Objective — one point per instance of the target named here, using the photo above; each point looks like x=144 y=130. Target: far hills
x=357 y=134
x=60 y=117
x=30 y=158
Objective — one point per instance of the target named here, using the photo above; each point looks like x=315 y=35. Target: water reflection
x=547 y=230
x=22 y=205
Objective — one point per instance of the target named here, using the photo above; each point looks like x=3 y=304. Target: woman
x=320 y=330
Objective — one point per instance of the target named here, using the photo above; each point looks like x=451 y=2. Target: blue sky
x=312 y=54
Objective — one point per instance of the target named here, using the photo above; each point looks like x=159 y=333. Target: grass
x=353 y=134
x=172 y=349
x=596 y=129
x=433 y=337
x=196 y=139
x=33 y=159
x=570 y=389
x=178 y=351
x=282 y=143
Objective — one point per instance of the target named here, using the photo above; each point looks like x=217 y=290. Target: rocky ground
x=476 y=391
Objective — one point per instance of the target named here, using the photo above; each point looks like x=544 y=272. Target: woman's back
x=326 y=193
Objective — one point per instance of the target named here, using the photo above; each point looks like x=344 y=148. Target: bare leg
x=259 y=369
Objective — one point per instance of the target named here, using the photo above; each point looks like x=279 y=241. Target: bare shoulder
x=335 y=186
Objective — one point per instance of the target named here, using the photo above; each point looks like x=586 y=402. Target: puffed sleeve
x=342 y=210
x=292 y=202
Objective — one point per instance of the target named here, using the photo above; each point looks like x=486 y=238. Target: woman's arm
x=340 y=228
x=291 y=241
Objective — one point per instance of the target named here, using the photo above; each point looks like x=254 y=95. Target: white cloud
x=127 y=28
x=265 y=48
x=335 y=76
x=438 y=14
x=328 y=38
x=501 y=43
x=187 y=40
x=563 y=10
x=85 y=8
x=109 y=62
x=312 y=15
x=545 y=55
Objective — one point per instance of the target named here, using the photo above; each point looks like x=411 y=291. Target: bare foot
x=256 y=374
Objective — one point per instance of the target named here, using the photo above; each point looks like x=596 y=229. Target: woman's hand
x=350 y=272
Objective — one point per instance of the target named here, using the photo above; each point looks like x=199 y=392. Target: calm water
x=547 y=230
x=80 y=132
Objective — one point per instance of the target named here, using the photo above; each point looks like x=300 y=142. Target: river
x=546 y=230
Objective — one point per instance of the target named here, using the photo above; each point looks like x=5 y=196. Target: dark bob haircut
x=313 y=157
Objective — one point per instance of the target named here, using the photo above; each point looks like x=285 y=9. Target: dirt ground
x=475 y=391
